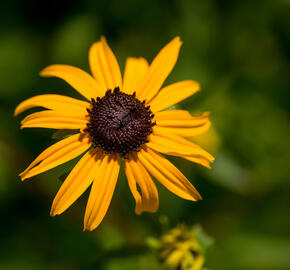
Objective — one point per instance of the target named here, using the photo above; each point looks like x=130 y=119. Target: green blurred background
x=237 y=50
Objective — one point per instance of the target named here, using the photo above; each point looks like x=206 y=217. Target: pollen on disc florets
x=119 y=122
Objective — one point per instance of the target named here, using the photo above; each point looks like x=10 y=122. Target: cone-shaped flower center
x=119 y=122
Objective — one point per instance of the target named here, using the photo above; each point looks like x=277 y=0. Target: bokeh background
x=237 y=50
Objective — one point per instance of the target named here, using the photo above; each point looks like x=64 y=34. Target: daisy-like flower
x=121 y=119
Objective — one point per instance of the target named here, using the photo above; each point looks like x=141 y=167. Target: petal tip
x=16 y=111
x=46 y=72
x=24 y=175
x=196 y=196
x=103 y=39
x=196 y=85
x=177 y=39
x=211 y=158
x=138 y=212
x=53 y=212
x=22 y=178
x=88 y=228
x=43 y=73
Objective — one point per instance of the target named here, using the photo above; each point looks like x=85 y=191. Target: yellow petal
x=179 y=118
x=187 y=132
x=104 y=65
x=159 y=70
x=135 y=70
x=172 y=94
x=55 y=120
x=55 y=102
x=137 y=174
x=80 y=80
x=52 y=113
x=199 y=160
x=133 y=188
x=198 y=263
x=102 y=191
x=173 y=115
x=172 y=144
x=174 y=258
x=167 y=174
x=77 y=181
x=182 y=122
x=59 y=153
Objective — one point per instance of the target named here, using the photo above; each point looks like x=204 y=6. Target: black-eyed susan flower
x=182 y=248
x=121 y=119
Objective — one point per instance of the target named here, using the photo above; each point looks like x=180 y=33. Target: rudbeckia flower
x=121 y=119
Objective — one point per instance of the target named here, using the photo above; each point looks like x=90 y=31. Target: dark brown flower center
x=119 y=122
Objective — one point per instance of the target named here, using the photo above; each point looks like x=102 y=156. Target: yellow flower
x=183 y=248
x=122 y=118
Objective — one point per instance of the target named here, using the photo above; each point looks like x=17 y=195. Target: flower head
x=119 y=122
x=120 y=119
x=182 y=248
